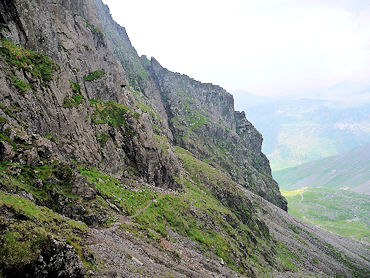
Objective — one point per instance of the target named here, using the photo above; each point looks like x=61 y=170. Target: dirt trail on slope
x=128 y=219
x=144 y=208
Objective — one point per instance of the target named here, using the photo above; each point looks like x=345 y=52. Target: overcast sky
x=262 y=46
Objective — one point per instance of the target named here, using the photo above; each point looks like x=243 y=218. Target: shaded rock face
x=203 y=120
x=56 y=260
x=197 y=116
x=56 y=104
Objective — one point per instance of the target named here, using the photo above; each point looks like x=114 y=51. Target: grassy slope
x=350 y=169
x=198 y=213
x=340 y=211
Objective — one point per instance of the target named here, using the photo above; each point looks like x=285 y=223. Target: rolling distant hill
x=297 y=130
x=349 y=170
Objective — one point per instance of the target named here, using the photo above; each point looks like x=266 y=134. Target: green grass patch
x=74 y=101
x=23 y=240
x=198 y=214
x=39 y=65
x=195 y=120
x=76 y=87
x=130 y=200
x=94 y=75
x=286 y=258
x=56 y=177
x=113 y=114
x=20 y=84
x=340 y=211
x=3 y=120
x=4 y=137
x=147 y=109
x=110 y=112
x=102 y=138
x=94 y=29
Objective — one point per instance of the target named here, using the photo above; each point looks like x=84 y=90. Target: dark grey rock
x=83 y=188
x=6 y=151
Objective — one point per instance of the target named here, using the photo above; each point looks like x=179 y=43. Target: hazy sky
x=262 y=46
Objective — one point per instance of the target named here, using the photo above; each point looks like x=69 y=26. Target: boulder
x=83 y=188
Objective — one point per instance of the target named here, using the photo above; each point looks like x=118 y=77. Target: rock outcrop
x=58 y=103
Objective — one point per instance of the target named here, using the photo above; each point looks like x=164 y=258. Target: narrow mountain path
x=138 y=212
x=128 y=219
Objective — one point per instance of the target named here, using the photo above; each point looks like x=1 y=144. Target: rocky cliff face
x=113 y=165
x=61 y=104
x=200 y=117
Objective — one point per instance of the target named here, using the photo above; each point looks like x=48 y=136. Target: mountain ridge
x=112 y=165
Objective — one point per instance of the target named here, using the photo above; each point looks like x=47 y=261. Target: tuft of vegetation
x=20 y=84
x=95 y=75
x=39 y=65
x=76 y=87
x=73 y=101
x=97 y=30
x=86 y=47
x=3 y=120
x=5 y=137
x=147 y=109
x=162 y=142
x=50 y=137
x=56 y=177
x=110 y=112
x=94 y=29
x=114 y=114
x=195 y=120
x=102 y=138
x=11 y=111
x=286 y=258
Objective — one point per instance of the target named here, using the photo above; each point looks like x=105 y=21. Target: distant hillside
x=350 y=170
x=297 y=131
x=340 y=211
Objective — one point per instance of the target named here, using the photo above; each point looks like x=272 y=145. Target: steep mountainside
x=349 y=170
x=111 y=165
x=201 y=116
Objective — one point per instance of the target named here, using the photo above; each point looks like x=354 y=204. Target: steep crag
x=200 y=116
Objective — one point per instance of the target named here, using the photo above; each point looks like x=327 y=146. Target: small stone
x=38 y=183
x=137 y=261
x=15 y=171
x=26 y=195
